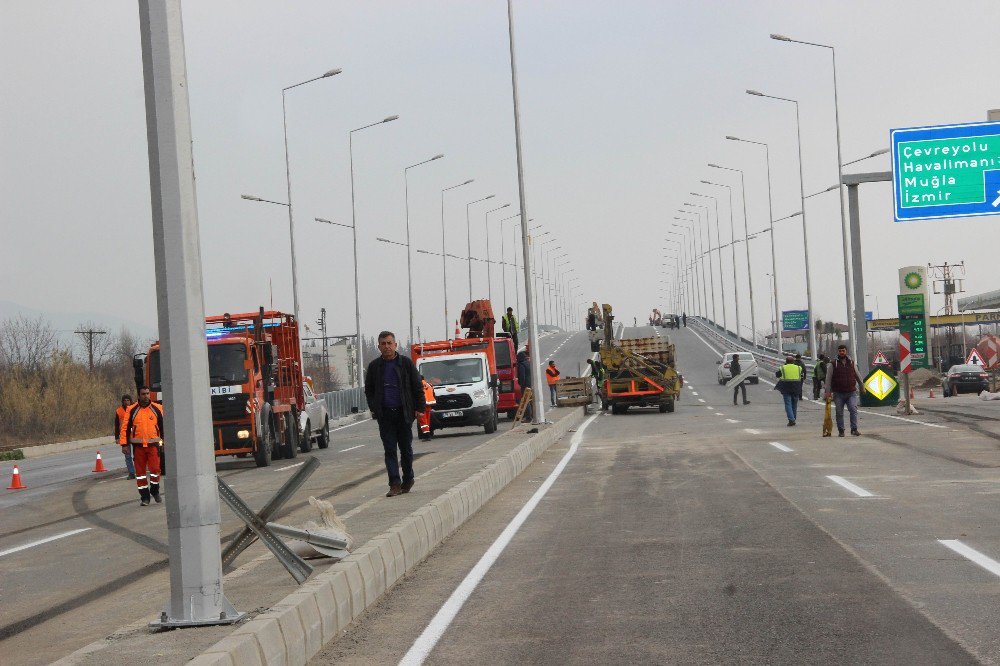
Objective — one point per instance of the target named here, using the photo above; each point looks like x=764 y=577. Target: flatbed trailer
x=641 y=372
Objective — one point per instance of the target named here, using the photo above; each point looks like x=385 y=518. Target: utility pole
x=945 y=275
x=89 y=335
x=325 y=355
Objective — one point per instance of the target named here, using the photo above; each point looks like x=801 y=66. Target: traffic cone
x=99 y=465
x=931 y=394
x=15 y=481
x=458 y=331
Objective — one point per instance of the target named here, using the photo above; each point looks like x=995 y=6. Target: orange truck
x=256 y=384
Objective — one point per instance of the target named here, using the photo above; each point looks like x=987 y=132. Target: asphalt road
x=79 y=558
x=719 y=535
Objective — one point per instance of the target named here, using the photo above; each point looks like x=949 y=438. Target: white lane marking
x=286 y=467
x=719 y=414
x=694 y=393
x=350 y=425
x=701 y=400
x=752 y=431
x=732 y=420
x=780 y=447
x=972 y=554
x=351 y=448
x=862 y=411
x=710 y=407
x=857 y=490
x=41 y=541
x=443 y=618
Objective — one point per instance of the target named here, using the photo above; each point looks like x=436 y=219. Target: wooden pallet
x=573 y=391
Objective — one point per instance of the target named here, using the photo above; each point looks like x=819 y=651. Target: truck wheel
x=290 y=448
x=670 y=406
x=306 y=444
x=604 y=404
x=491 y=425
x=265 y=444
x=323 y=441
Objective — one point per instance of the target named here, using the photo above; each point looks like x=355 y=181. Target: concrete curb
x=41 y=450
x=296 y=628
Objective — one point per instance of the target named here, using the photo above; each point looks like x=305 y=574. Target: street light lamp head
x=471 y=180
x=705 y=182
x=489 y=197
x=755 y=92
x=733 y=138
x=324 y=221
x=390 y=119
x=332 y=72
x=780 y=38
x=879 y=152
x=714 y=166
x=438 y=156
x=249 y=197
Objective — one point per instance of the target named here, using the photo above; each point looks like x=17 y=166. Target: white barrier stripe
x=844 y=483
x=971 y=554
x=26 y=546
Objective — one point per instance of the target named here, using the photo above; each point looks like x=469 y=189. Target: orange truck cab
x=255 y=382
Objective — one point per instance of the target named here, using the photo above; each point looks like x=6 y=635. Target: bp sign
x=946 y=171
x=795 y=320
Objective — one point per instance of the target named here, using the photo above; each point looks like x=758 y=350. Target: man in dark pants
x=735 y=370
x=395 y=397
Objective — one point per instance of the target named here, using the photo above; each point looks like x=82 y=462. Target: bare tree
x=27 y=343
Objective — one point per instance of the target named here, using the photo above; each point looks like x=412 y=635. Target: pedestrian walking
x=684 y=318
x=551 y=377
x=142 y=432
x=509 y=324
x=842 y=380
x=799 y=362
x=790 y=387
x=395 y=397
x=819 y=376
x=735 y=370
x=120 y=415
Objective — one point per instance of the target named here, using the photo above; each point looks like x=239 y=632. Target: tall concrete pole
x=538 y=404
x=196 y=594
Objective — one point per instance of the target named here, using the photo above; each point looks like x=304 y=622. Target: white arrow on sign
x=996 y=202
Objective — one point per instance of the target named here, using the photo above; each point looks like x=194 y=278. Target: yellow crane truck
x=640 y=372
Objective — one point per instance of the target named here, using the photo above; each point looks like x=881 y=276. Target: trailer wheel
x=323 y=441
x=290 y=446
x=604 y=403
x=670 y=405
x=265 y=445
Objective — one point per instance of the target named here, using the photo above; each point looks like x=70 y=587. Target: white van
x=464 y=391
x=746 y=361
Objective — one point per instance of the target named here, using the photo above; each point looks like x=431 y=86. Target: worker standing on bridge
x=841 y=377
x=802 y=364
x=395 y=398
x=790 y=387
x=142 y=432
x=819 y=376
x=424 y=419
x=120 y=415
x=509 y=324
x=684 y=318
x=551 y=377
x=735 y=370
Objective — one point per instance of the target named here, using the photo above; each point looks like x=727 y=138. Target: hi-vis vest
x=791 y=372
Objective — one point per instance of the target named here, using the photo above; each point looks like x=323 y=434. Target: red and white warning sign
x=975 y=358
x=991 y=350
x=880 y=359
x=904 y=353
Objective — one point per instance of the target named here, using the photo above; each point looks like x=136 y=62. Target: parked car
x=671 y=321
x=314 y=422
x=965 y=378
x=746 y=361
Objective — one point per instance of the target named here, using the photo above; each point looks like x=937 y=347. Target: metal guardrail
x=766 y=359
x=344 y=402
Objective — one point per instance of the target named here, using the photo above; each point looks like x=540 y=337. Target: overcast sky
x=623 y=104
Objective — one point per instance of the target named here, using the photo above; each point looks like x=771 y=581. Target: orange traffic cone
x=931 y=394
x=99 y=465
x=458 y=331
x=15 y=481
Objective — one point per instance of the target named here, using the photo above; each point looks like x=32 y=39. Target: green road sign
x=795 y=320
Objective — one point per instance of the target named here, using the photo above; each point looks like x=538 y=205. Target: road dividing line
x=751 y=431
x=781 y=447
x=710 y=407
x=694 y=393
x=732 y=420
x=287 y=467
x=350 y=448
x=972 y=554
x=701 y=400
x=719 y=414
x=857 y=490
x=26 y=546
x=349 y=425
x=443 y=618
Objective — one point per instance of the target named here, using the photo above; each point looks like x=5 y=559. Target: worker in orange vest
x=424 y=420
x=142 y=432
x=120 y=415
x=552 y=376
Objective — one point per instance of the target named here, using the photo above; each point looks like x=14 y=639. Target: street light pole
x=770 y=215
x=805 y=236
x=489 y=273
x=444 y=259
x=288 y=182
x=746 y=238
x=358 y=374
x=718 y=238
x=409 y=252
x=468 y=237
x=732 y=244
x=358 y=353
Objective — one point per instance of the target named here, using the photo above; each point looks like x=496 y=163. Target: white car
x=746 y=361
x=314 y=422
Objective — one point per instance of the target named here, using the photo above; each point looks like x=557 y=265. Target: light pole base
x=228 y=615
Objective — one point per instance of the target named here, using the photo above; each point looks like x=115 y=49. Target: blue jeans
x=851 y=400
x=127 y=451
x=791 y=405
x=552 y=393
x=397 y=433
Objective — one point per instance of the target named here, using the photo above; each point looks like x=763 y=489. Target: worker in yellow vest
x=790 y=385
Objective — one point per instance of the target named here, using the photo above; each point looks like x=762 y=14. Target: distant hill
x=66 y=322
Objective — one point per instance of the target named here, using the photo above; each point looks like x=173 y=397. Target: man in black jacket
x=395 y=397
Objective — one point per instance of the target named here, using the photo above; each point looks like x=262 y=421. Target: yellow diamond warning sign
x=880 y=384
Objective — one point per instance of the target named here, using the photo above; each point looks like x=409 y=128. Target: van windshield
x=440 y=372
